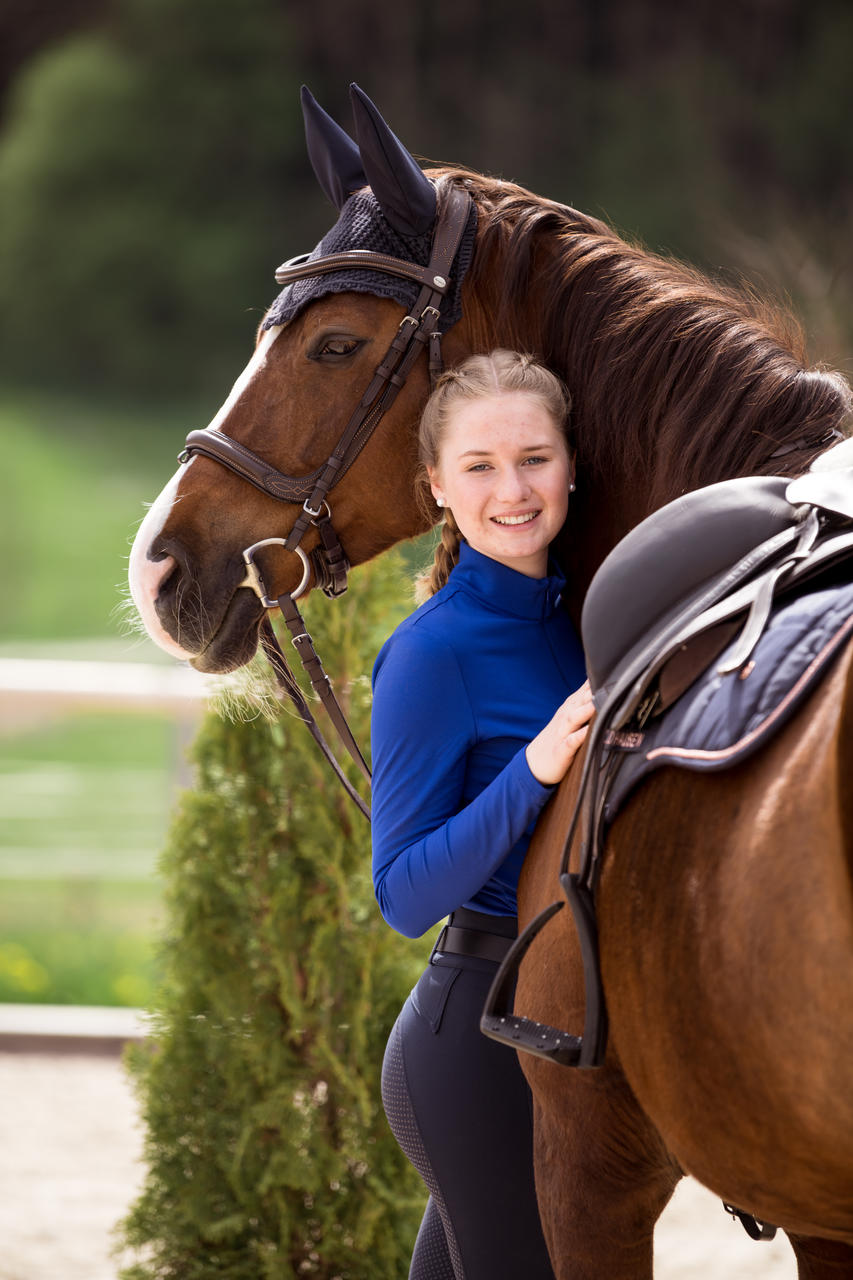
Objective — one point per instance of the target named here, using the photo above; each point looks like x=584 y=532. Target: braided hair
x=499 y=373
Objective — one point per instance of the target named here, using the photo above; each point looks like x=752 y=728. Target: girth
x=327 y=562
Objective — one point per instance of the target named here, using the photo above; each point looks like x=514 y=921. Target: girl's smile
x=504 y=471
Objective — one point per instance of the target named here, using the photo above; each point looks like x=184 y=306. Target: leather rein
x=327 y=562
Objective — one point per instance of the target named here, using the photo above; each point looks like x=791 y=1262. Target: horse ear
x=406 y=196
x=333 y=154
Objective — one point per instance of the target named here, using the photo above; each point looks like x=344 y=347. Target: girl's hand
x=553 y=750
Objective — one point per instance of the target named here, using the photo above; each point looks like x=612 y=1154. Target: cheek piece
x=419 y=330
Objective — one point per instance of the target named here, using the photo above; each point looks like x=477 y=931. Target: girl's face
x=504 y=470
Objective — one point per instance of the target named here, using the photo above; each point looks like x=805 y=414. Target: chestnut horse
x=726 y=902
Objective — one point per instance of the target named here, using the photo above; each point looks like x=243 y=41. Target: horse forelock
x=677 y=379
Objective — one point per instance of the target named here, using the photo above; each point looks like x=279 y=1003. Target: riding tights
x=460 y=1108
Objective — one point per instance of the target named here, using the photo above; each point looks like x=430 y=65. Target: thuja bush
x=267 y=1150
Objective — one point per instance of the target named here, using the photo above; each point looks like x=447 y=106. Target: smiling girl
x=472 y=727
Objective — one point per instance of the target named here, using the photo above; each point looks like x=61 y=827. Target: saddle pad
x=722 y=719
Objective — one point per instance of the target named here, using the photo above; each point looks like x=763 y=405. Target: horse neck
x=676 y=382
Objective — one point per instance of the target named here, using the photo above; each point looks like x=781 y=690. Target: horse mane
x=677 y=380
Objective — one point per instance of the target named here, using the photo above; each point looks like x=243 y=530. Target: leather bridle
x=418 y=331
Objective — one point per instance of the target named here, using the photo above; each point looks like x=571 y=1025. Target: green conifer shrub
x=268 y=1153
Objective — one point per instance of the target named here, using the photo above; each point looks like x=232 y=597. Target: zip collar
x=504 y=590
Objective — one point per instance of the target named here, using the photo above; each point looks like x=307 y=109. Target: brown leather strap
x=363 y=260
x=415 y=332
x=248 y=465
x=330 y=564
x=288 y=684
x=320 y=682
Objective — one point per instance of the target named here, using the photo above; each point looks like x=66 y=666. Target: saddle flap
x=691 y=660
x=669 y=556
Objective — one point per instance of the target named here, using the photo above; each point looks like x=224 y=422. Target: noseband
x=328 y=562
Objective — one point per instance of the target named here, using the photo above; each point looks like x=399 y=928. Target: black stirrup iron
x=538 y=1038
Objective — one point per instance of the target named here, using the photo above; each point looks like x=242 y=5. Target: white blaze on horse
x=724 y=900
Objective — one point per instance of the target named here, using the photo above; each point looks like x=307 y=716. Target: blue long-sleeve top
x=459 y=690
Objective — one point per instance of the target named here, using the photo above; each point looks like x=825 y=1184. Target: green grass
x=88 y=796
x=79 y=941
x=84 y=808
x=74 y=482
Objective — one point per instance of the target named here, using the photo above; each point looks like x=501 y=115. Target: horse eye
x=337 y=348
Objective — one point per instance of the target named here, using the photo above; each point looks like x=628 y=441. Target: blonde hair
x=499 y=373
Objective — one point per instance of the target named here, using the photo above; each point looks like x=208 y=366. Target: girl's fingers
x=580 y=697
x=553 y=749
x=576 y=737
x=580 y=714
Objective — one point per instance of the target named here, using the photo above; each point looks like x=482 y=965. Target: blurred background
x=152 y=176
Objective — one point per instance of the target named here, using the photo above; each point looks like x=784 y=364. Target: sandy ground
x=70 y=1140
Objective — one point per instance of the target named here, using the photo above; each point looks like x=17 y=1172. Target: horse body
x=744 y=973
x=725 y=910
x=726 y=932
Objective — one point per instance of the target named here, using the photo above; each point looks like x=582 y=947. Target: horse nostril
x=171 y=572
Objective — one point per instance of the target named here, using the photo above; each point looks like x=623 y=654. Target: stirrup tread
x=533 y=1037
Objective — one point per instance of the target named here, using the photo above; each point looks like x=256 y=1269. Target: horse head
x=327 y=347
x=676 y=380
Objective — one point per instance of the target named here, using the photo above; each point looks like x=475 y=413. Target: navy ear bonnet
x=363 y=226
x=387 y=205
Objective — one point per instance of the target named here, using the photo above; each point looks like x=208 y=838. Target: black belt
x=475 y=933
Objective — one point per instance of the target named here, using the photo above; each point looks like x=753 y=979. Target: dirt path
x=69 y=1146
x=70 y=1141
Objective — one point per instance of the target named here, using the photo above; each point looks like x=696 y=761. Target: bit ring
x=255 y=582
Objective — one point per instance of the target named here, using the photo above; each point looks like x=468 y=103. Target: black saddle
x=667 y=561
x=663 y=601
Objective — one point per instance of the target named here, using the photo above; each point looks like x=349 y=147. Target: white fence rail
x=71 y=684
x=81 y=1029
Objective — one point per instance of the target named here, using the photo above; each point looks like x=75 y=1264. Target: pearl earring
x=439 y=502
x=572 y=487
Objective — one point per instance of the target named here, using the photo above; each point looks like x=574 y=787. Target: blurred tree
x=268 y=1153
x=143 y=188
x=152 y=175
x=26 y=26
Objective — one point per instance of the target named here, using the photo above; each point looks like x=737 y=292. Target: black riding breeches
x=460 y=1108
